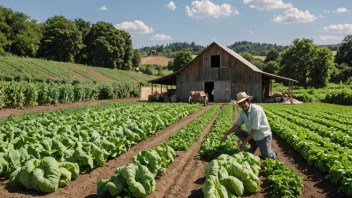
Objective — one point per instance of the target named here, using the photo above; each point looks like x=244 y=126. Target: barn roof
x=171 y=78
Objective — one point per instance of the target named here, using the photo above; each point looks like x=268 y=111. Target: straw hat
x=242 y=96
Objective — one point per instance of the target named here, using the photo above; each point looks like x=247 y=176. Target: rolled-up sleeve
x=256 y=119
x=240 y=120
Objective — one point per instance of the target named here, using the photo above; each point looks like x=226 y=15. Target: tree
x=137 y=59
x=182 y=58
x=84 y=27
x=344 y=53
x=18 y=33
x=61 y=40
x=271 y=67
x=170 y=65
x=272 y=55
x=258 y=63
x=306 y=62
x=128 y=51
x=105 y=46
x=248 y=56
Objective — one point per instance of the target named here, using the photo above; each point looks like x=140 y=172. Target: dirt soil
x=4 y=113
x=159 y=60
x=86 y=184
x=179 y=178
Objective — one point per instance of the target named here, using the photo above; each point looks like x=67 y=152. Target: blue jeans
x=263 y=144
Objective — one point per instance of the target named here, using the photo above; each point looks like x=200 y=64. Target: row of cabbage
x=88 y=139
x=184 y=138
x=336 y=133
x=281 y=180
x=137 y=179
x=211 y=147
x=25 y=94
x=320 y=152
x=232 y=176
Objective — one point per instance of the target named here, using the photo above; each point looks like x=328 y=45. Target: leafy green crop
x=229 y=176
x=184 y=138
x=211 y=147
x=87 y=138
x=282 y=180
x=137 y=179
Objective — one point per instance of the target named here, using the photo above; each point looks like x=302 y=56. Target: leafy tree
x=340 y=73
x=148 y=71
x=272 y=55
x=258 y=63
x=105 y=46
x=83 y=26
x=128 y=51
x=344 y=53
x=182 y=58
x=271 y=67
x=18 y=33
x=136 y=59
x=61 y=40
x=170 y=65
x=248 y=56
x=306 y=62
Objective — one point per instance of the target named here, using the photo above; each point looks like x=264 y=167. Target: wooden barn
x=222 y=73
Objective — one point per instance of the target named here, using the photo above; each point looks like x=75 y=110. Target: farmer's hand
x=243 y=145
x=224 y=138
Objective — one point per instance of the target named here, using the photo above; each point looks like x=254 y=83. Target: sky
x=152 y=22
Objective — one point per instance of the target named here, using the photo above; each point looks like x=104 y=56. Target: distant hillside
x=158 y=60
x=25 y=69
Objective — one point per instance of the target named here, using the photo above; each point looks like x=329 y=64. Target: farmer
x=259 y=132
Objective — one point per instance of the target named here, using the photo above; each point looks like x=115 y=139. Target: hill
x=158 y=60
x=29 y=69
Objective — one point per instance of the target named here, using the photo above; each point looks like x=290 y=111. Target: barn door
x=208 y=88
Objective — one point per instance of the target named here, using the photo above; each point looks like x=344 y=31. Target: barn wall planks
x=231 y=74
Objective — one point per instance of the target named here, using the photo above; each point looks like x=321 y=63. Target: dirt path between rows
x=86 y=184
x=4 y=113
x=179 y=178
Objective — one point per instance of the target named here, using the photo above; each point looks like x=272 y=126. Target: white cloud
x=135 y=27
x=160 y=37
x=340 y=10
x=326 y=11
x=293 y=15
x=205 y=8
x=325 y=38
x=103 y=8
x=267 y=4
x=171 y=5
x=213 y=38
x=250 y=31
x=342 y=28
x=321 y=16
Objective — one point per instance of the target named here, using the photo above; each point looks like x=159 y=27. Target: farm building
x=223 y=72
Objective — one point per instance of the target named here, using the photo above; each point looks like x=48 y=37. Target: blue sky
x=152 y=22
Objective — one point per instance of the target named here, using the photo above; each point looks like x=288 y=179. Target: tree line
x=170 y=49
x=60 y=39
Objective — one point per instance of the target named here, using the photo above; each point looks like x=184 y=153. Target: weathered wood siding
x=231 y=74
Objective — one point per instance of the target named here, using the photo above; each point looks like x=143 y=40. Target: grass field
x=29 y=69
